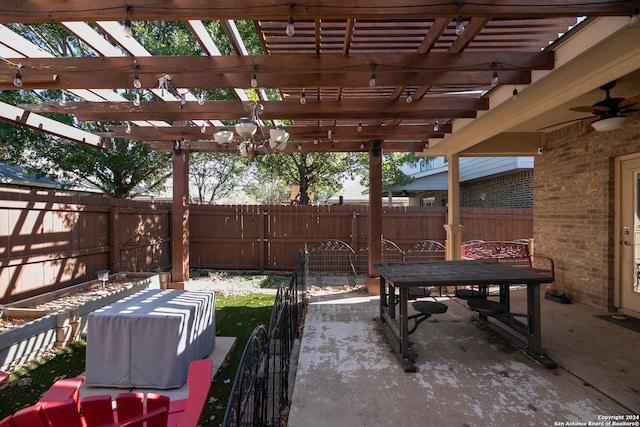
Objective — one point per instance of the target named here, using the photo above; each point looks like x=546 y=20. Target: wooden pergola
x=435 y=78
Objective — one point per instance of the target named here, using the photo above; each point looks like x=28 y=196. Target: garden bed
x=56 y=318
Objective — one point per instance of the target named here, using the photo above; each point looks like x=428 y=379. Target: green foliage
x=318 y=172
x=26 y=385
x=216 y=175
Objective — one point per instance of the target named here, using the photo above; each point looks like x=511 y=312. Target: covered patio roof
x=432 y=78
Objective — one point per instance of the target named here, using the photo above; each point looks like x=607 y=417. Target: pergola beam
x=298 y=133
x=294 y=147
x=436 y=107
x=114 y=10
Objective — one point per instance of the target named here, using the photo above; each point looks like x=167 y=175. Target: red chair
x=63 y=413
x=32 y=416
x=7 y=422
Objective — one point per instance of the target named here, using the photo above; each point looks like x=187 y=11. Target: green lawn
x=236 y=316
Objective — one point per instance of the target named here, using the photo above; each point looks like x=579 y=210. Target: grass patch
x=236 y=316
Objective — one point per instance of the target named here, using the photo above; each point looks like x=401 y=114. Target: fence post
x=114 y=243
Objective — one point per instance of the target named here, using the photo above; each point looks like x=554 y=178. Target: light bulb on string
x=436 y=126
x=63 y=100
x=460 y=28
x=634 y=21
x=303 y=97
x=372 y=80
x=203 y=129
x=515 y=94
x=127 y=128
x=254 y=80
x=409 y=97
x=17 y=81
x=136 y=100
x=315 y=141
x=201 y=98
x=290 y=28
x=359 y=127
x=126 y=24
x=136 y=81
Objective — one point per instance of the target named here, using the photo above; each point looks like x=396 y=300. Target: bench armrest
x=549 y=267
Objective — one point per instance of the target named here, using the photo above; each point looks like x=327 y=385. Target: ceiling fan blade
x=629 y=102
x=566 y=122
x=590 y=109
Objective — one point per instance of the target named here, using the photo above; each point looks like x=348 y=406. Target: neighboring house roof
x=431 y=174
x=17 y=175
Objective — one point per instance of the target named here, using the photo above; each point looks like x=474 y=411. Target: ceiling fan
x=611 y=112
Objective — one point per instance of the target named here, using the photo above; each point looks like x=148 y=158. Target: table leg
x=533 y=312
x=383 y=295
x=404 y=322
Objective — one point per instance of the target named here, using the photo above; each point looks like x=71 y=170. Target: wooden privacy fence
x=52 y=240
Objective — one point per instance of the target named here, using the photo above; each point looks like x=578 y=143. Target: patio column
x=453 y=227
x=180 y=220
x=375 y=217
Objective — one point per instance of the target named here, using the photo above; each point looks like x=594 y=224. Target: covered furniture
x=149 y=339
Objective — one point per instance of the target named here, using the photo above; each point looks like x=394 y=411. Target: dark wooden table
x=404 y=275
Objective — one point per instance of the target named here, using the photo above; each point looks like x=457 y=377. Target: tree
x=216 y=175
x=324 y=173
x=319 y=172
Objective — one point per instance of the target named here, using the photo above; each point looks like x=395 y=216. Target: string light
x=409 y=97
x=203 y=129
x=315 y=141
x=436 y=126
x=494 y=79
x=254 y=79
x=290 y=28
x=359 y=127
x=634 y=21
x=17 y=81
x=63 y=100
x=126 y=24
x=201 y=98
x=372 y=80
x=299 y=147
x=329 y=132
x=460 y=29
x=136 y=79
x=362 y=146
x=303 y=97
x=127 y=128
x=515 y=94
x=136 y=100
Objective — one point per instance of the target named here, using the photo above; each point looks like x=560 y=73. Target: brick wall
x=513 y=190
x=574 y=208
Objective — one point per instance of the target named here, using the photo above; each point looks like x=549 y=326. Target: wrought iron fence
x=260 y=392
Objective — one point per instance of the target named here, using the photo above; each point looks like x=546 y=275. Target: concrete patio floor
x=467 y=376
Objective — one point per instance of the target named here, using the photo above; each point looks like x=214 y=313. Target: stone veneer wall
x=574 y=208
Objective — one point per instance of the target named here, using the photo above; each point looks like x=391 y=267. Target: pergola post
x=375 y=217
x=453 y=227
x=180 y=219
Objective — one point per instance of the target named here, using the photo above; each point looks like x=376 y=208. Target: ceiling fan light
x=223 y=136
x=610 y=123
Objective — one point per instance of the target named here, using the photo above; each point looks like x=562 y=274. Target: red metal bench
x=514 y=253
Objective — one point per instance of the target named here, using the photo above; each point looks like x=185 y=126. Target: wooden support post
x=180 y=219
x=453 y=227
x=375 y=217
